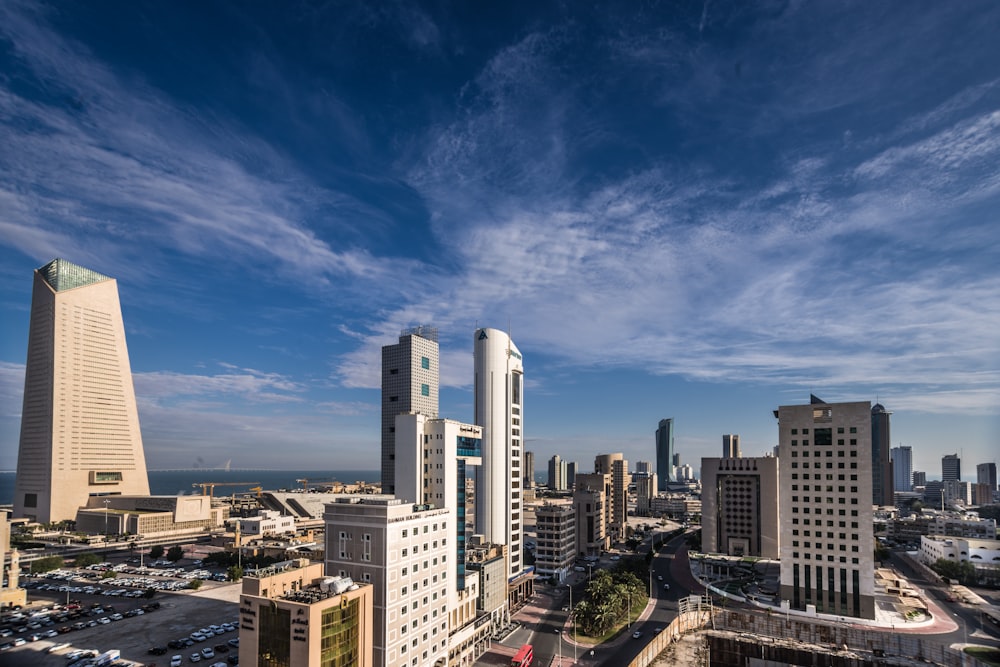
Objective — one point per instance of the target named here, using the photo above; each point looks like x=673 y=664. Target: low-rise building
x=291 y=615
x=677 y=506
x=983 y=554
x=151 y=516
x=267 y=522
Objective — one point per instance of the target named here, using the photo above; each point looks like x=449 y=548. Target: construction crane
x=209 y=487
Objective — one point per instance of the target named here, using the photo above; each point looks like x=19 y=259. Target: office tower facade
x=665 y=452
x=616 y=466
x=405 y=552
x=555 y=528
x=881 y=462
x=570 y=474
x=79 y=423
x=986 y=473
x=590 y=507
x=902 y=468
x=739 y=506
x=826 y=541
x=645 y=491
x=498 y=386
x=919 y=478
x=643 y=467
x=951 y=468
x=529 y=470
x=290 y=614
x=557 y=473
x=731 y=446
x=410 y=383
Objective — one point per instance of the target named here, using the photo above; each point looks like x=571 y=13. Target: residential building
x=406 y=552
x=291 y=615
x=616 y=466
x=665 y=452
x=557 y=474
x=645 y=467
x=490 y=562
x=982 y=494
x=902 y=468
x=678 y=506
x=934 y=522
x=730 y=447
x=529 y=470
x=739 y=506
x=555 y=530
x=591 y=514
x=951 y=467
x=498 y=398
x=881 y=462
x=826 y=541
x=570 y=474
x=919 y=478
x=410 y=383
x=986 y=473
x=645 y=491
x=79 y=423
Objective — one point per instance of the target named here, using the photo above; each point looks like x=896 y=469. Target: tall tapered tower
x=79 y=423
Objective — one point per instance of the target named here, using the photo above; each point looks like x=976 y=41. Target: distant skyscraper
x=498 y=386
x=826 y=447
x=643 y=467
x=881 y=477
x=529 y=469
x=919 y=478
x=902 y=468
x=951 y=468
x=616 y=466
x=731 y=446
x=570 y=474
x=986 y=473
x=557 y=474
x=410 y=380
x=79 y=424
x=665 y=452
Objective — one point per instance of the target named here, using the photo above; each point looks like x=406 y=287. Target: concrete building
x=881 y=461
x=79 y=424
x=665 y=452
x=151 y=516
x=678 y=506
x=902 y=468
x=644 y=467
x=908 y=530
x=825 y=509
x=498 y=398
x=557 y=474
x=982 y=494
x=11 y=593
x=555 y=530
x=986 y=473
x=529 y=470
x=645 y=491
x=490 y=562
x=291 y=615
x=410 y=383
x=739 y=506
x=983 y=554
x=406 y=552
x=919 y=478
x=616 y=466
x=590 y=508
x=267 y=522
x=730 y=447
x=570 y=474
x=951 y=468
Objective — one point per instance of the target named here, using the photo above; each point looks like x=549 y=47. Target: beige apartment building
x=616 y=466
x=291 y=615
x=555 y=531
x=590 y=507
x=739 y=506
x=79 y=423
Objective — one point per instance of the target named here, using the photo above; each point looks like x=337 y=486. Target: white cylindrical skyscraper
x=498 y=399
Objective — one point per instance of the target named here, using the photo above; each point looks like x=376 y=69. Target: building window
x=425 y=363
x=425 y=390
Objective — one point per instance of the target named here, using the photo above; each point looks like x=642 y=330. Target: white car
x=176 y=661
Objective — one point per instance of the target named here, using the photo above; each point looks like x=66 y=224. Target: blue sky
x=689 y=210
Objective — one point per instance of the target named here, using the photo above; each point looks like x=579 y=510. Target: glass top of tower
x=63 y=275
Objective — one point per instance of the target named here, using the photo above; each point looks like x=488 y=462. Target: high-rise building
x=591 y=510
x=616 y=466
x=730 y=446
x=79 y=423
x=557 y=473
x=986 y=473
x=919 y=478
x=825 y=510
x=645 y=491
x=555 y=528
x=570 y=474
x=665 y=452
x=290 y=614
x=739 y=506
x=410 y=382
x=902 y=468
x=399 y=548
x=881 y=463
x=498 y=387
x=529 y=469
x=951 y=468
x=643 y=467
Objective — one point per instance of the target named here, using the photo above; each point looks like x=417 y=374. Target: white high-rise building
x=498 y=399
x=406 y=552
x=825 y=507
x=79 y=425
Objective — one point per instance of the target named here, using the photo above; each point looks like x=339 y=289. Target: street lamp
x=106 y=503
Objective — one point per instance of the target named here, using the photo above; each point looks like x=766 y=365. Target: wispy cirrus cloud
x=245 y=383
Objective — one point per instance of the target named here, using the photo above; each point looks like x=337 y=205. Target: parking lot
x=179 y=615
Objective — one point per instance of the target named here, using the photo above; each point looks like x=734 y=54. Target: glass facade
x=340 y=638
x=62 y=275
x=467 y=446
x=274 y=637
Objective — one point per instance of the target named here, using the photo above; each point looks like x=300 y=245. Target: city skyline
x=670 y=212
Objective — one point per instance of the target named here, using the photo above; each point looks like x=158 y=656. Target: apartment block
x=590 y=507
x=555 y=529
x=616 y=466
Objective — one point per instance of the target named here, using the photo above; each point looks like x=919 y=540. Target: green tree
x=83 y=560
x=47 y=564
x=234 y=573
x=195 y=584
x=156 y=551
x=174 y=554
x=109 y=574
